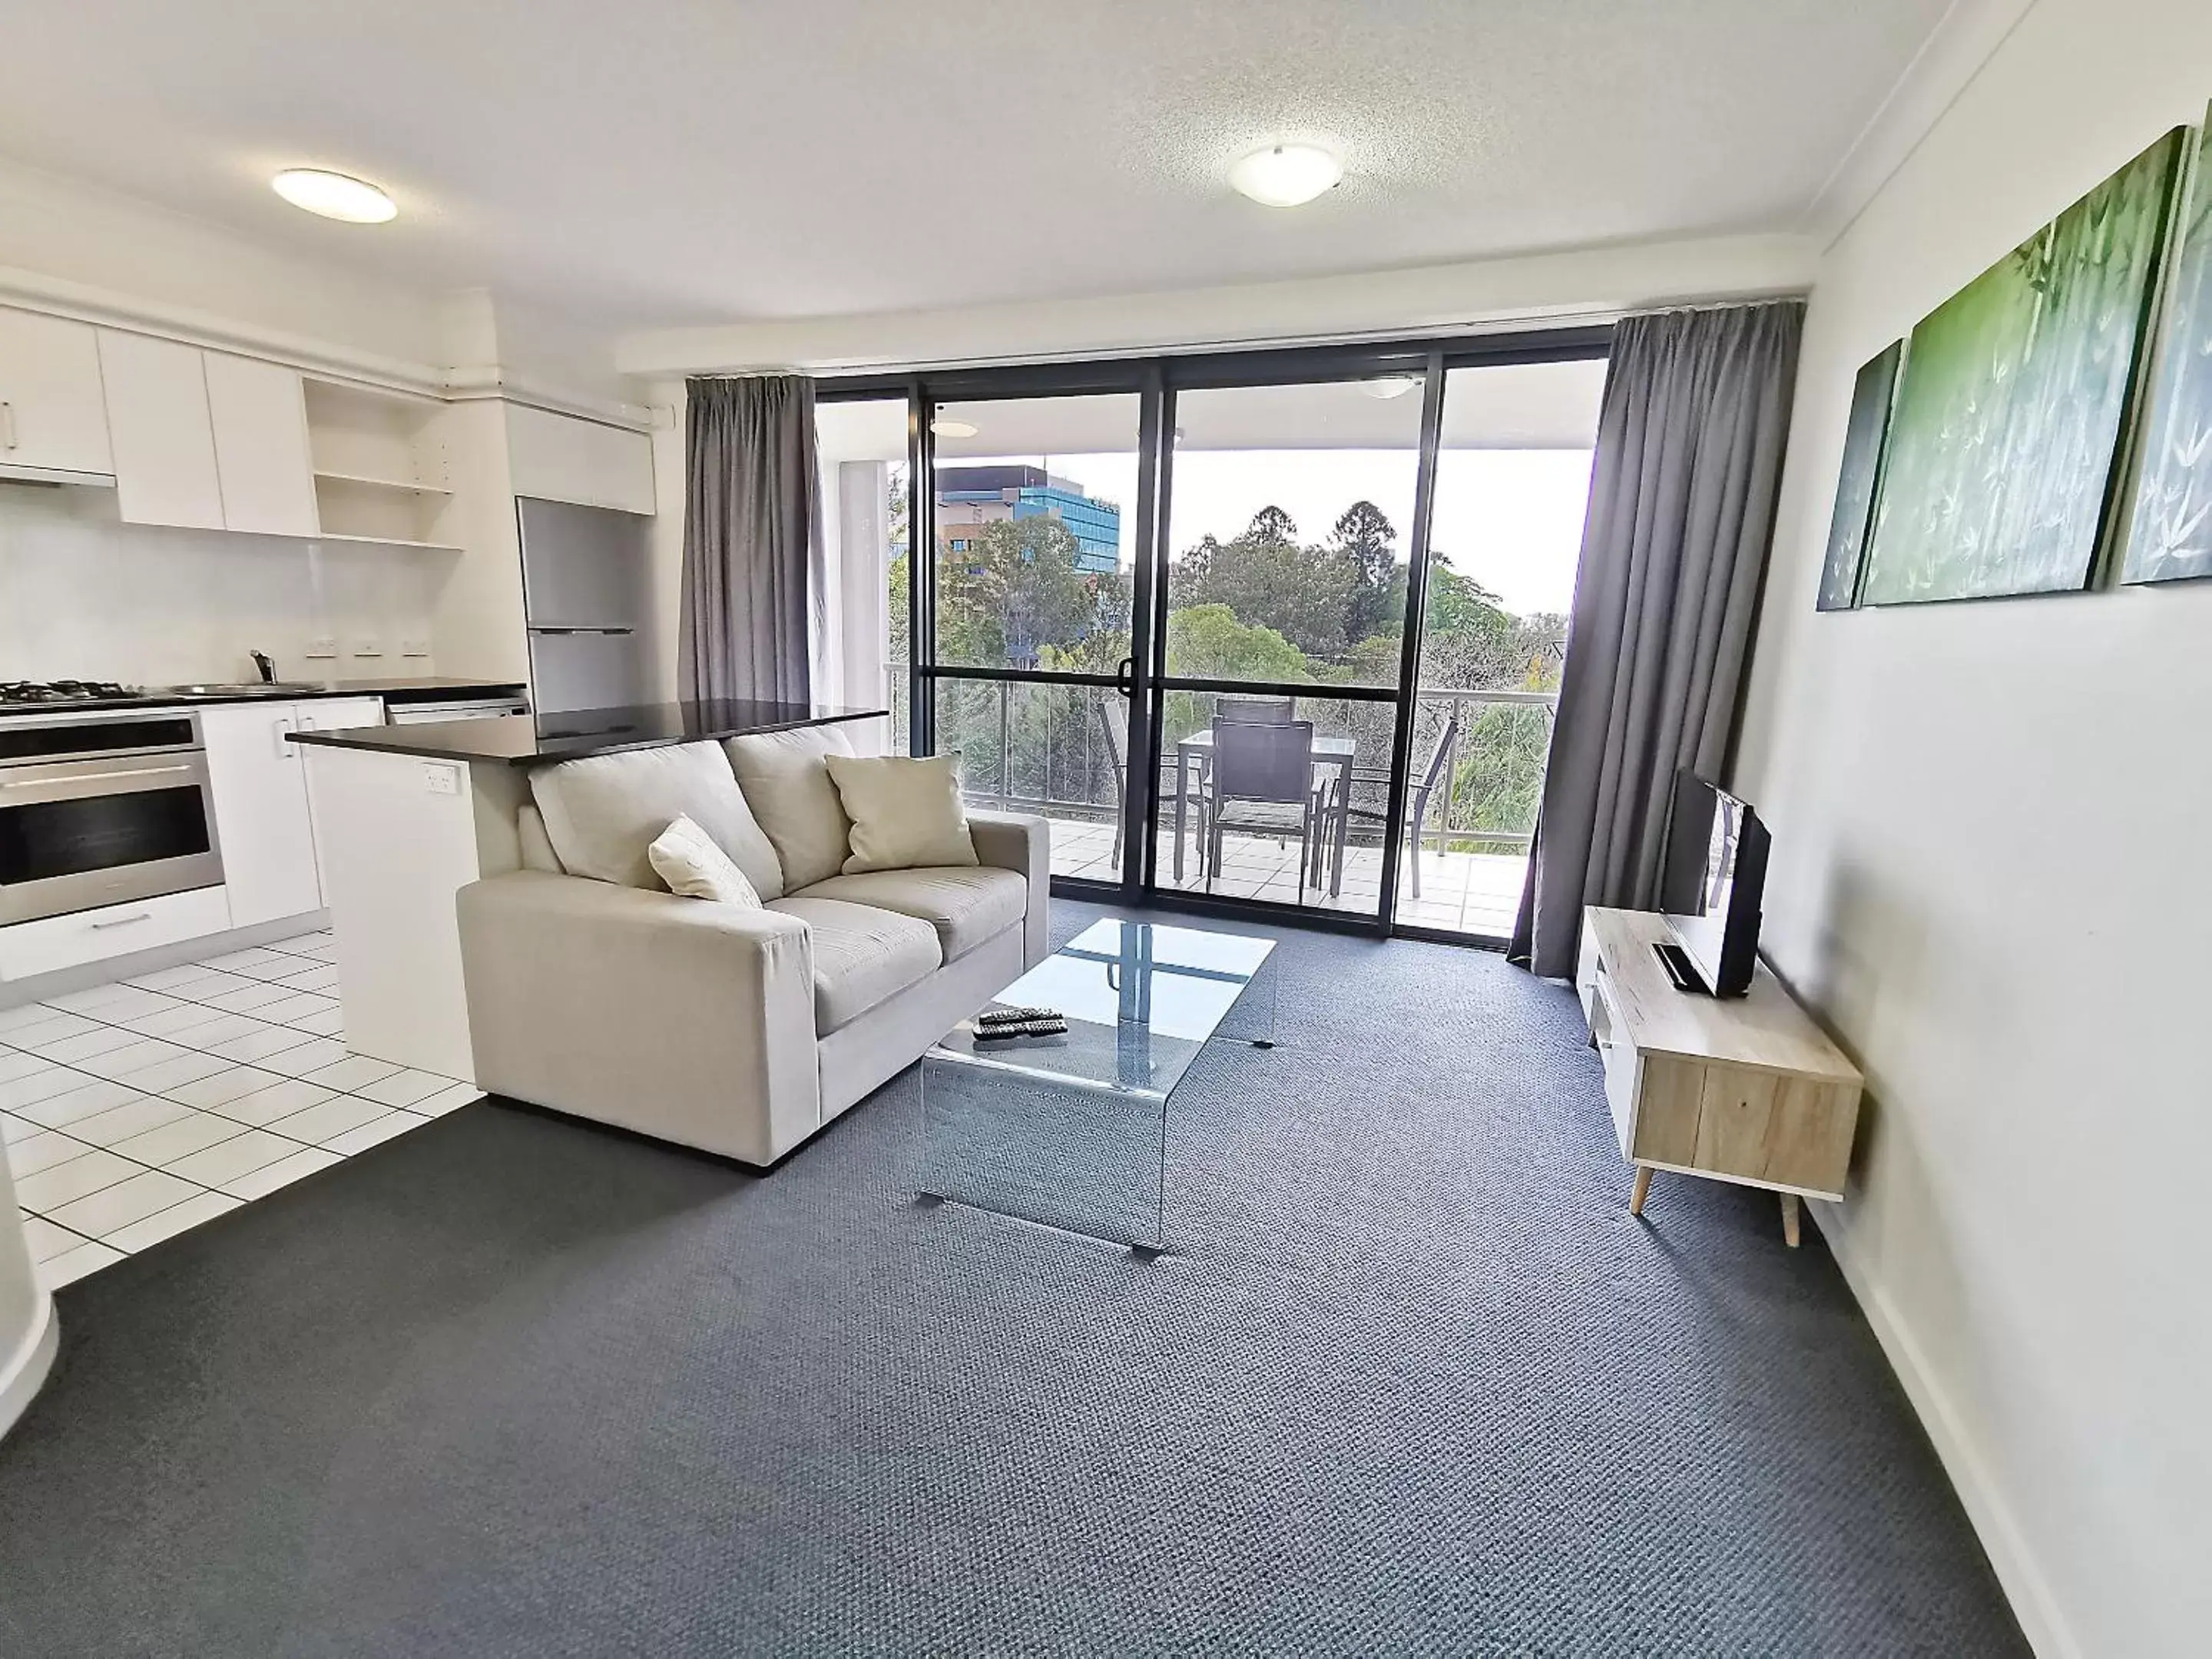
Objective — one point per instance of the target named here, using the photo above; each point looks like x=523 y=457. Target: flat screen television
x=1713 y=871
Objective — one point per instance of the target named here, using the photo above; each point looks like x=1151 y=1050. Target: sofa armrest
x=1021 y=843
x=689 y=1020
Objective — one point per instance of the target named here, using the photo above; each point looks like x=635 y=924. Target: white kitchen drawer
x=31 y=948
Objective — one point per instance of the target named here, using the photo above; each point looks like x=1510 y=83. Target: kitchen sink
x=247 y=689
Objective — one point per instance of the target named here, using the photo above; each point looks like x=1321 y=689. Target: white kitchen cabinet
x=259 y=419
x=54 y=414
x=260 y=812
x=51 y=944
x=162 y=435
x=557 y=458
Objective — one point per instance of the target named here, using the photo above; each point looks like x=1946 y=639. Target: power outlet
x=368 y=646
x=414 y=647
x=321 y=646
x=441 y=777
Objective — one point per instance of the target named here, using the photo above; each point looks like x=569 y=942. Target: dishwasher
x=467 y=707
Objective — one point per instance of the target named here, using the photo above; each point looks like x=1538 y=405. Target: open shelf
x=382 y=474
x=362 y=481
x=389 y=541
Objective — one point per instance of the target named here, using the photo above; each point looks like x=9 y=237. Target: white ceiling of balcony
x=670 y=161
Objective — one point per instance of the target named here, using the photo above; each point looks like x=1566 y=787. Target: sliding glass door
x=1292 y=509
x=1274 y=632
x=1032 y=587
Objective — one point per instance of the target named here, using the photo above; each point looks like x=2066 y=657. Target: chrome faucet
x=266 y=663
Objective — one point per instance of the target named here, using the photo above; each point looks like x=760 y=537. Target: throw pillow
x=602 y=812
x=685 y=857
x=791 y=795
x=906 y=814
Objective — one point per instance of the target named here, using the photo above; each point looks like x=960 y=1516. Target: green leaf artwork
x=2171 y=538
x=1856 y=483
x=1998 y=476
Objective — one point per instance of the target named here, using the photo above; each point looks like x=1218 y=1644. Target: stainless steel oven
x=102 y=809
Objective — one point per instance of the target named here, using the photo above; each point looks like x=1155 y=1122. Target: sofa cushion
x=797 y=806
x=964 y=906
x=862 y=956
x=604 y=812
x=685 y=857
x=907 y=813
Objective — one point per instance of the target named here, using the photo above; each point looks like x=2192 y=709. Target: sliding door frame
x=1157 y=378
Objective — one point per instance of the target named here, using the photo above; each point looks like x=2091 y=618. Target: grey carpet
x=1416 y=1383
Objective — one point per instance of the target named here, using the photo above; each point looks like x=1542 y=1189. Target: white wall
x=84 y=596
x=1993 y=873
x=80 y=233
x=1585 y=283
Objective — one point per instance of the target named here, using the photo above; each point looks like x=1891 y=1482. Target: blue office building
x=968 y=495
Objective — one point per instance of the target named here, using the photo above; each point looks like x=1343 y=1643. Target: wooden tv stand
x=1744 y=1089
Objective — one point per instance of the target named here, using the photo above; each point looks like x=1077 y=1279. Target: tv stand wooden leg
x=1791 y=1206
x=1640 y=1190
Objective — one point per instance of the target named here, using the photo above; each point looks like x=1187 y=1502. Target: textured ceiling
x=670 y=161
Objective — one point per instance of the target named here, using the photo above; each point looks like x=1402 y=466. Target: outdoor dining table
x=1336 y=752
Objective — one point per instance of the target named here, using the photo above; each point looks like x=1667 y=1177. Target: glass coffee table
x=1071 y=1132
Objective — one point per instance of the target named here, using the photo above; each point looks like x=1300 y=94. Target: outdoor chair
x=1427 y=785
x=1261 y=781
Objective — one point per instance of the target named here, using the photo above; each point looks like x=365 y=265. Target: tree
x=1269 y=581
x=1365 y=538
x=1207 y=641
x=1014 y=590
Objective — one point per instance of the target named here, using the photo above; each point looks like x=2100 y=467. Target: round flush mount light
x=335 y=195
x=1286 y=175
x=1389 y=385
x=943 y=427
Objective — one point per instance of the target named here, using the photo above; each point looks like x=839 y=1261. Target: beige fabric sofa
x=594 y=991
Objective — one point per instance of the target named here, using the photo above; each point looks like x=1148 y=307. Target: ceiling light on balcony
x=1286 y=175
x=335 y=195
x=1390 y=386
x=946 y=427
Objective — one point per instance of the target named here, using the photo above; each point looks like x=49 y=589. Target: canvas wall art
x=1999 y=473
x=2171 y=535
x=1854 y=486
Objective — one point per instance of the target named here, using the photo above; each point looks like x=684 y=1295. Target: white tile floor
x=135 y=1110
x=1460 y=892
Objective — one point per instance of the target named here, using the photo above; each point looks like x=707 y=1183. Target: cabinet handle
x=101 y=777
x=7 y=426
x=277 y=730
x=124 y=921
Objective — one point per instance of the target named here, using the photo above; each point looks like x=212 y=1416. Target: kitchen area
x=205 y=554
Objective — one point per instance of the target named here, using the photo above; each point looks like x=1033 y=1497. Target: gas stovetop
x=23 y=693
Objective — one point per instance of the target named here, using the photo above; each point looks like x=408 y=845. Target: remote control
x=1052 y=1026
x=1013 y=1015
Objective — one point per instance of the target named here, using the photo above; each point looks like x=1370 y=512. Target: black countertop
x=532 y=739
x=401 y=689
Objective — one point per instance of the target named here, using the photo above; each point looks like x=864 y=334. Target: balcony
x=1049 y=750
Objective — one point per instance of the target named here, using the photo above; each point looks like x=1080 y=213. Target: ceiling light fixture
x=1390 y=386
x=335 y=195
x=1286 y=175
x=943 y=427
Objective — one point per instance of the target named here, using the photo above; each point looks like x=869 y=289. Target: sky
x=1510 y=519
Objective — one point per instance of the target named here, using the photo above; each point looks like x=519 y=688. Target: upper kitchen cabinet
x=261 y=463
x=557 y=458
x=54 y=414
x=162 y=433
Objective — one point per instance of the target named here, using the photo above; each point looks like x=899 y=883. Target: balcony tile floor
x=134 y=1110
x=1473 y=893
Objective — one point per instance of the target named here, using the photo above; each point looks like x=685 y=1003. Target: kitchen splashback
x=83 y=595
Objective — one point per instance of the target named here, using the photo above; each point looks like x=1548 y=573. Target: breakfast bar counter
x=407 y=816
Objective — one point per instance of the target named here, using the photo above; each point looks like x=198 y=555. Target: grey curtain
x=752 y=538
x=1681 y=512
